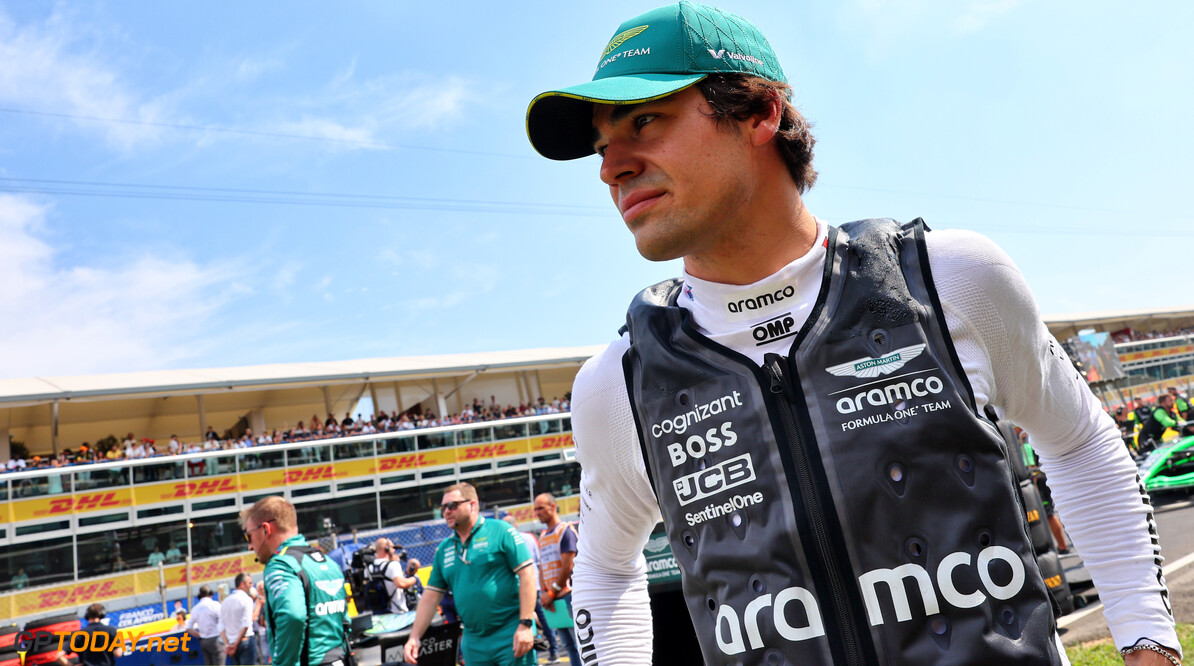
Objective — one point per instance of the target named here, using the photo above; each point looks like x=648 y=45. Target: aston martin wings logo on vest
x=873 y=367
x=331 y=587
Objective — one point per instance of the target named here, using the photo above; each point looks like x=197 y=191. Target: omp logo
x=331 y=587
x=735 y=632
x=620 y=39
x=873 y=367
x=489 y=451
x=742 y=307
x=321 y=473
x=656 y=545
x=777 y=328
x=331 y=607
x=80 y=594
x=89 y=502
x=716 y=479
x=412 y=461
x=208 y=487
x=557 y=442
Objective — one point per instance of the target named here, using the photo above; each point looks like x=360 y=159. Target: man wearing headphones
x=94 y=616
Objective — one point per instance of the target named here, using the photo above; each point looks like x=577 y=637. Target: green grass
x=1103 y=653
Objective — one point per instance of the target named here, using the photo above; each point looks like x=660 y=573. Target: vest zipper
x=838 y=581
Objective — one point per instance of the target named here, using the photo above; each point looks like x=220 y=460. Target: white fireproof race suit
x=1012 y=364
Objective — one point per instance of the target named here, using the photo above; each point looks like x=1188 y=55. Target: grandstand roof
x=1141 y=320
x=35 y=390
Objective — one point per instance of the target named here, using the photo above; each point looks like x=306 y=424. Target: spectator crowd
x=316 y=428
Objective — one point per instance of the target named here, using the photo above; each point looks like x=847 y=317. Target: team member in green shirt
x=487 y=567
x=304 y=591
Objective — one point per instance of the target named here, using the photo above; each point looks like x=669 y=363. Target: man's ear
x=764 y=125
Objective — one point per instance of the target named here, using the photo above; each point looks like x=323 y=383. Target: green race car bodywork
x=1170 y=467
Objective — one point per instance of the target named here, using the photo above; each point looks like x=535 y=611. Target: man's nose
x=619 y=163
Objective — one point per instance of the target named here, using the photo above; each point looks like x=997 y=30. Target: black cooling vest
x=844 y=504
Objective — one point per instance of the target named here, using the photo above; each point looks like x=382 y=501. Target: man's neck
x=551 y=524
x=463 y=530
x=771 y=234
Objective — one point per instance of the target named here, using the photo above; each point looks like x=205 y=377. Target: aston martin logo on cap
x=873 y=367
x=621 y=38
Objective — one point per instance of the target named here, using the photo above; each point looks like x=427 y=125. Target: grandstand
x=87 y=532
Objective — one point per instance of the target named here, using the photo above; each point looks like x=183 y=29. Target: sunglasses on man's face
x=451 y=506
x=249 y=533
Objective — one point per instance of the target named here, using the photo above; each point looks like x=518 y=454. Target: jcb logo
x=412 y=461
x=76 y=595
x=208 y=487
x=487 y=451
x=83 y=503
x=557 y=442
x=1034 y=516
x=323 y=473
x=722 y=476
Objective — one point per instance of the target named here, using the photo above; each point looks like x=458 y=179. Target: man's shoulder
x=600 y=375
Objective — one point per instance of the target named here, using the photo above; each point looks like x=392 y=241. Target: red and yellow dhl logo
x=321 y=473
x=206 y=487
x=489 y=451
x=89 y=502
x=556 y=442
x=209 y=571
x=412 y=461
x=79 y=594
x=523 y=514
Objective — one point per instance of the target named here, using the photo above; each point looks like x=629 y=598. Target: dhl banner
x=71 y=596
x=42 y=508
x=1156 y=353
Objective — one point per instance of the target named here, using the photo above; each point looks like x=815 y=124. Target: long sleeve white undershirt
x=1013 y=363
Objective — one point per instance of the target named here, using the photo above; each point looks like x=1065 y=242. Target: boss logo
x=697 y=446
x=774 y=329
x=708 y=482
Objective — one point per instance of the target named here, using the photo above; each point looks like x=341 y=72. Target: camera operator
x=388 y=568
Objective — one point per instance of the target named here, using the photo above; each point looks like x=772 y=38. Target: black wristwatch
x=526 y=622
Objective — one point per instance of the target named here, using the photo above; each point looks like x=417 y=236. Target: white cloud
x=980 y=13
x=326 y=129
x=53 y=67
x=377 y=110
x=147 y=312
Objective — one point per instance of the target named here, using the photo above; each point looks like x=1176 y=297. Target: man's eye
x=600 y=150
x=639 y=121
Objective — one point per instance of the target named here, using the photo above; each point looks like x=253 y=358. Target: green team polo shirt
x=291 y=613
x=481 y=572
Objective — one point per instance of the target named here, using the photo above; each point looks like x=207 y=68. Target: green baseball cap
x=650 y=56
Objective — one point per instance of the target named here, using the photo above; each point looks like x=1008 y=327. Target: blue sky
x=1059 y=129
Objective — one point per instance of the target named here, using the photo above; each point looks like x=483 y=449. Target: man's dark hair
x=204 y=591
x=94 y=612
x=240 y=578
x=740 y=96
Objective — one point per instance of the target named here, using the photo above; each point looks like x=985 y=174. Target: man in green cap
x=808 y=408
x=305 y=602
